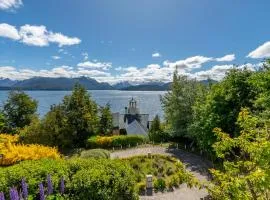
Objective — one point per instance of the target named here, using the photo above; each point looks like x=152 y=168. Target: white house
x=131 y=121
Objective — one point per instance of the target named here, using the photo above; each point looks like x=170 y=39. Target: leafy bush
x=159 y=184
x=95 y=153
x=13 y=153
x=98 y=179
x=34 y=173
x=102 y=179
x=115 y=141
x=141 y=187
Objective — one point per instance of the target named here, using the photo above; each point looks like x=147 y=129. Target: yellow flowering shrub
x=11 y=152
x=104 y=141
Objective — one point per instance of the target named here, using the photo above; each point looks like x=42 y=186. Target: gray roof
x=136 y=128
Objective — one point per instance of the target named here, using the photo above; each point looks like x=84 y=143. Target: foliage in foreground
x=13 y=152
x=168 y=172
x=246 y=173
x=115 y=141
x=100 y=179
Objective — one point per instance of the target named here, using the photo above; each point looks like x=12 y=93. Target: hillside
x=45 y=83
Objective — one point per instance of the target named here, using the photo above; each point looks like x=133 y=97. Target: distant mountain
x=46 y=83
x=5 y=82
x=158 y=86
x=122 y=85
x=149 y=87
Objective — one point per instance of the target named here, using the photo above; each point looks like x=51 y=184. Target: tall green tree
x=68 y=124
x=177 y=104
x=105 y=121
x=156 y=132
x=246 y=160
x=2 y=122
x=81 y=113
x=19 y=109
x=221 y=107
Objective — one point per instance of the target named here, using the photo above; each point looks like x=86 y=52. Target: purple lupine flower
x=49 y=184
x=62 y=186
x=41 y=192
x=2 y=196
x=13 y=193
x=24 y=189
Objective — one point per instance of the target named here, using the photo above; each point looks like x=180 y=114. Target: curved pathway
x=195 y=164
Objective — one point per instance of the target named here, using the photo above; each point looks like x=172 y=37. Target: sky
x=136 y=41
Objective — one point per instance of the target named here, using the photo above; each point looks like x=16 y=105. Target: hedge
x=95 y=153
x=115 y=141
x=92 y=178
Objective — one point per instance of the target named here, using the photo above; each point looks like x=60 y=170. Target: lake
x=148 y=101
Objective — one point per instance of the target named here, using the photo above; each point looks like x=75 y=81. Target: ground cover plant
x=168 y=172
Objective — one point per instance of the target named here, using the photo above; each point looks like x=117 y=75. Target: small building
x=131 y=122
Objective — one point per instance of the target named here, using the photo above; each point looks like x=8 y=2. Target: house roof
x=136 y=128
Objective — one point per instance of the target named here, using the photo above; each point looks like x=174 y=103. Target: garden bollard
x=149 y=181
x=128 y=145
x=113 y=148
x=149 y=155
x=121 y=147
x=177 y=146
x=185 y=146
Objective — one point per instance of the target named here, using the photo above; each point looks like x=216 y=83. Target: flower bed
x=168 y=172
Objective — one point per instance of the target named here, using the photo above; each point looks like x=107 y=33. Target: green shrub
x=159 y=184
x=34 y=173
x=102 y=179
x=141 y=187
x=98 y=179
x=115 y=141
x=173 y=182
x=95 y=153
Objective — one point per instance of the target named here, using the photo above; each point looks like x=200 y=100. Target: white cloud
x=262 y=51
x=63 y=40
x=56 y=57
x=226 y=58
x=85 y=56
x=36 y=35
x=96 y=65
x=188 y=63
x=10 y=4
x=61 y=71
x=9 y=31
x=156 y=55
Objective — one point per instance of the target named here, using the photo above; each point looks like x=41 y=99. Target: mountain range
x=62 y=83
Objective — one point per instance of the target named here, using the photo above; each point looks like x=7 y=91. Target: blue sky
x=138 y=41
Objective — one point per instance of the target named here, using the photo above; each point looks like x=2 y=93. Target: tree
x=105 y=121
x=19 y=109
x=177 y=104
x=156 y=132
x=221 y=107
x=68 y=124
x=2 y=122
x=245 y=173
x=81 y=114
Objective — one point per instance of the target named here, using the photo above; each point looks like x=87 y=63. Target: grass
x=168 y=172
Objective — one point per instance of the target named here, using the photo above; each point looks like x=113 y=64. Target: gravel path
x=194 y=164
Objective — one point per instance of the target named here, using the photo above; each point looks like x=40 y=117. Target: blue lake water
x=148 y=101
